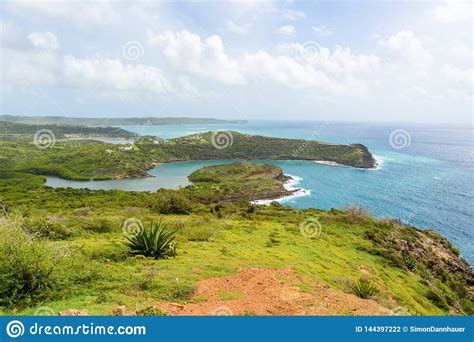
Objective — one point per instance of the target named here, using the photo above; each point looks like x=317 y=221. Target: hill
x=63 y=131
x=88 y=159
x=134 y=121
x=64 y=248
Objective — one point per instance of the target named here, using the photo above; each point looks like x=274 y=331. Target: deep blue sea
x=425 y=178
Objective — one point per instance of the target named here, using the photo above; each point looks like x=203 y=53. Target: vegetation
x=64 y=131
x=53 y=242
x=363 y=288
x=31 y=268
x=88 y=159
x=63 y=120
x=156 y=242
x=237 y=181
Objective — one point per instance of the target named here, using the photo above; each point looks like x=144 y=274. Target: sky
x=268 y=60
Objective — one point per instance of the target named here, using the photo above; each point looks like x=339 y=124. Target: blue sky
x=361 y=61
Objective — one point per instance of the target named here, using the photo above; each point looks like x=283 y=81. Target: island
x=238 y=181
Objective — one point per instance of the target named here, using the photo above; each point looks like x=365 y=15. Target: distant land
x=64 y=131
x=64 y=120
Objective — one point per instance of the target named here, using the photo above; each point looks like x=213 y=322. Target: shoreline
x=289 y=185
x=378 y=164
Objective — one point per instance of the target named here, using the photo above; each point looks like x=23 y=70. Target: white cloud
x=453 y=11
x=236 y=28
x=81 y=14
x=463 y=77
x=105 y=73
x=204 y=58
x=26 y=68
x=408 y=46
x=287 y=30
x=294 y=15
x=207 y=58
x=44 y=40
x=322 y=30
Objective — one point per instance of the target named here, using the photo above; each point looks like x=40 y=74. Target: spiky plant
x=363 y=288
x=410 y=262
x=155 y=241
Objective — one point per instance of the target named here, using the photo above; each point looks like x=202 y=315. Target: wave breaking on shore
x=290 y=185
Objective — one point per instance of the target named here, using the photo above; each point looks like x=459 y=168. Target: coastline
x=289 y=186
x=378 y=163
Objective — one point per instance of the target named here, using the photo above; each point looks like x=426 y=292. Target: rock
x=74 y=312
x=122 y=311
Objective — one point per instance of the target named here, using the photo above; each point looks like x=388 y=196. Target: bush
x=410 y=263
x=156 y=242
x=32 y=269
x=170 y=202
x=356 y=213
x=364 y=288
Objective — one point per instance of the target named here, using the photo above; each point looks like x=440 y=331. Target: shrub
x=437 y=299
x=151 y=311
x=32 y=269
x=410 y=263
x=356 y=212
x=454 y=250
x=156 y=241
x=170 y=202
x=363 y=288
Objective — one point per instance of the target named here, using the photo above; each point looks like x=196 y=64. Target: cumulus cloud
x=106 y=73
x=44 y=40
x=208 y=58
x=199 y=57
x=407 y=45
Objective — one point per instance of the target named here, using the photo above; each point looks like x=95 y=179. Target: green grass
x=245 y=241
x=229 y=295
x=218 y=239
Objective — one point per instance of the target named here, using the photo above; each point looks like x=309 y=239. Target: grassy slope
x=218 y=240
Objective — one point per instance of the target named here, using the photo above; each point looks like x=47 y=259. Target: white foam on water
x=290 y=185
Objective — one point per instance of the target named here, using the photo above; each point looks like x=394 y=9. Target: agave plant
x=363 y=288
x=410 y=262
x=155 y=241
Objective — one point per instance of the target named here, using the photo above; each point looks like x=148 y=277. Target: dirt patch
x=259 y=291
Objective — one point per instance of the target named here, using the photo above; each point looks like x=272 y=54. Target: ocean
x=424 y=178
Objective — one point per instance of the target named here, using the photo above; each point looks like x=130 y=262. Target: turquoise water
x=428 y=183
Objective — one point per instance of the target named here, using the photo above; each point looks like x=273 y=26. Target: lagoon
x=428 y=183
